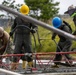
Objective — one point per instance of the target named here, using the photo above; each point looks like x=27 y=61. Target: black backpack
x=68 y=25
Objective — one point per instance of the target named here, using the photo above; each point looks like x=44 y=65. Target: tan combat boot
x=30 y=64
x=24 y=64
x=14 y=66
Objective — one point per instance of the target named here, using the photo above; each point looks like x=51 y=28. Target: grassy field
x=47 y=44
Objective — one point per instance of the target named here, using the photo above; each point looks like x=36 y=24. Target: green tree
x=6 y=15
x=12 y=5
x=42 y=9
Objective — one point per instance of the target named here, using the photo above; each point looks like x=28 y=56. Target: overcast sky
x=17 y=1
x=63 y=4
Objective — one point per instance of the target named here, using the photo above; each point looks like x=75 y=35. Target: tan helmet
x=71 y=7
x=24 y=9
x=1 y=31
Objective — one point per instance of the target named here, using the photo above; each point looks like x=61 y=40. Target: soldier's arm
x=14 y=25
x=53 y=36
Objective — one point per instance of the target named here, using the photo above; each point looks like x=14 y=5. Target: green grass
x=47 y=44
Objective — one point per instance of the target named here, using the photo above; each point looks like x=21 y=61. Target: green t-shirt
x=73 y=15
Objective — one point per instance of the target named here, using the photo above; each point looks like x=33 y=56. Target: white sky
x=17 y=1
x=64 y=4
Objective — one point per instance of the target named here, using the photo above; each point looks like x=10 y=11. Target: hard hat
x=71 y=7
x=24 y=9
x=57 y=22
x=1 y=31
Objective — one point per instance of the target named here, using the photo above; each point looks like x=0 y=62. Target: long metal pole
x=8 y=72
x=39 y=23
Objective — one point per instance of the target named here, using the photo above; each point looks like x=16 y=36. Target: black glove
x=33 y=31
x=10 y=33
x=74 y=33
x=53 y=38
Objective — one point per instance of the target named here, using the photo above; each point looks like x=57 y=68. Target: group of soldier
x=20 y=31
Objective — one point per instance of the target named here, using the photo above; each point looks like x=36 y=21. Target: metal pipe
x=9 y=72
x=39 y=23
x=48 y=53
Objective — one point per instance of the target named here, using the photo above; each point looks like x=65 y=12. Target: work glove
x=11 y=34
x=53 y=38
x=33 y=30
x=74 y=33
